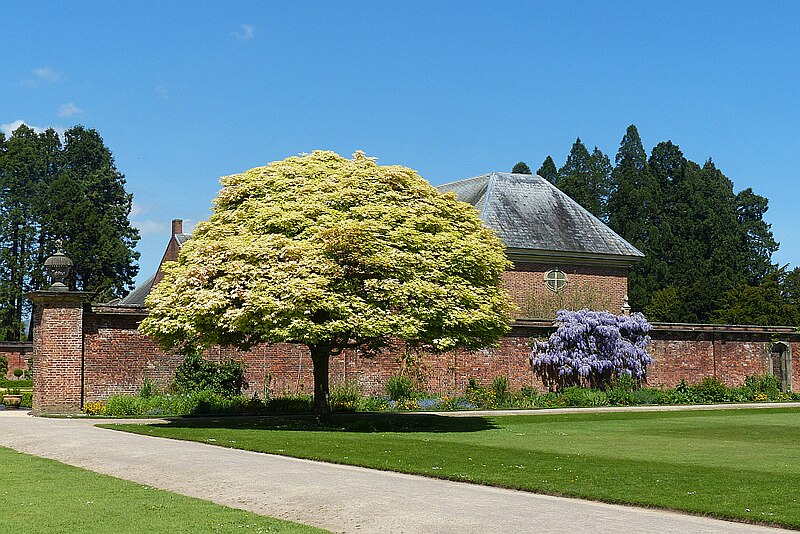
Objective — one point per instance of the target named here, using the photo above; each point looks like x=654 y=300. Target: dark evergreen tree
x=634 y=206
x=600 y=181
x=772 y=302
x=521 y=168
x=705 y=258
x=548 y=170
x=757 y=238
x=89 y=210
x=22 y=173
x=73 y=193
x=575 y=179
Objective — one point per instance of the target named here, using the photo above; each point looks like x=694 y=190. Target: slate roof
x=182 y=238
x=137 y=296
x=530 y=214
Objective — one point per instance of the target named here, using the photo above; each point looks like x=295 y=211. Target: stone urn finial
x=58 y=267
x=626 y=307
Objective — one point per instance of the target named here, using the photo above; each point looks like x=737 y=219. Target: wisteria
x=592 y=348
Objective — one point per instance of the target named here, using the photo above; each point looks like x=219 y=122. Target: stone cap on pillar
x=46 y=295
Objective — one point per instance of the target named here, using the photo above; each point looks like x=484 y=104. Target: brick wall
x=118 y=358
x=600 y=288
x=17 y=354
x=86 y=353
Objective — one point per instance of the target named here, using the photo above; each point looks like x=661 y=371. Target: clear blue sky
x=186 y=92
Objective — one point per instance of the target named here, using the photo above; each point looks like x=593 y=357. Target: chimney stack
x=177 y=226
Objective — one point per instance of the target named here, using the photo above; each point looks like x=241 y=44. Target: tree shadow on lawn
x=365 y=422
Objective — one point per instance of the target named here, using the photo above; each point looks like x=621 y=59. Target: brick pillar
x=58 y=351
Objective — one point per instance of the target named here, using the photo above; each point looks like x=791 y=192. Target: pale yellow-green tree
x=333 y=253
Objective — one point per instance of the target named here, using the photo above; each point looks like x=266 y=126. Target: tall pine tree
x=573 y=177
x=74 y=193
x=634 y=206
x=89 y=211
x=585 y=178
x=548 y=170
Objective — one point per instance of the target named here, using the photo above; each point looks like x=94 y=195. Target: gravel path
x=335 y=497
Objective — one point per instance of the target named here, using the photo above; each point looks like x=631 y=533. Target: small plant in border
x=592 y=349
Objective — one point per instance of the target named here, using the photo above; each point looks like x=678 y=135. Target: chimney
x=177 y=226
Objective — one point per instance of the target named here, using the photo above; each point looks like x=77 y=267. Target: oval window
x=555 y=280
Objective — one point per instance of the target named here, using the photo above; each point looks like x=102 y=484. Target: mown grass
x=738 y=464
x=41 y=495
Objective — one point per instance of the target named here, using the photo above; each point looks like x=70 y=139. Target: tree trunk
x=320 y=357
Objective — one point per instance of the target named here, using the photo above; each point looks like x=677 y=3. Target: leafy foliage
x=521 y=168
x=548 y=170
x=73 y=192
x=196 y=373
x=333 y=253
x=774 y=301
x=700 y=239
x=592 y=348
x=399 y=387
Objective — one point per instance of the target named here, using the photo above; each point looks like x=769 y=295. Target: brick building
x=564 y=257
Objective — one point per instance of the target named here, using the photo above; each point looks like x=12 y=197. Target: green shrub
x=16 y=383
x=766 y=384
x=582 y=397
x=345 y=397
x=3 y=365
x=399 y=387
x=18 y=373
x=620 y=396
x=648 y=396
x=740 y=394
x=625 y=382
x=501 y=389
x=196 y=373
x=710 y=391
x=148 y=389
x=182 y=404
x=125 y=406
x=373 y=404
x=290 y=404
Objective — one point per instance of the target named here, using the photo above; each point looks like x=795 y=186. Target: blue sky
x=186 y=92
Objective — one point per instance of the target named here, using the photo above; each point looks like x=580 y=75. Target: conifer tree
x=89 y=210
x=548 y=170
x=633 y=209
x=573 y=177
x=757 y=238
x=72 y=192
x=521 y=168
x=600 y=181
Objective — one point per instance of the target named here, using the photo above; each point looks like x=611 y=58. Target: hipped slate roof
x=137 y=296
x=534 y=218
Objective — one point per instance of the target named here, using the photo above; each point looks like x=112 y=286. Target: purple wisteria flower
x=593 y=348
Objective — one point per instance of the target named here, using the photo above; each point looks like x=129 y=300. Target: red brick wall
x=17 y=354
x=115 y=358
x=600 y=288
x=118 y=359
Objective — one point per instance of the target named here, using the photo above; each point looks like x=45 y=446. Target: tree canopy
x=71 y=192
x=707 y=248
x=333 y=253
x=521 y=168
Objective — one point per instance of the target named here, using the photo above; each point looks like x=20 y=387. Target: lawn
x=741 y=464
x=41 y=495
